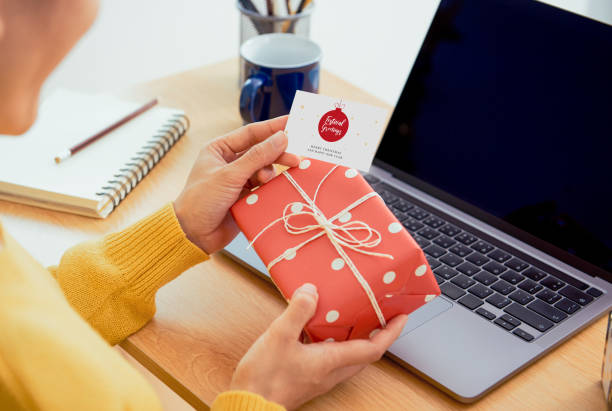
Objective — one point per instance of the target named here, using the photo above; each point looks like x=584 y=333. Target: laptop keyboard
x=479 y=275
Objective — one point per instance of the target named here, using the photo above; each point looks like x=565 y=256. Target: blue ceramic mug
x=273 y=67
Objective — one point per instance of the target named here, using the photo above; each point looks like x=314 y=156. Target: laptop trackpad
x=430 y=310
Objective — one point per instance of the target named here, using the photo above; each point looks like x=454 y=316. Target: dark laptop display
x=518 y=130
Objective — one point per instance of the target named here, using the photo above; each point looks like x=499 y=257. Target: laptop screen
x=508 y=108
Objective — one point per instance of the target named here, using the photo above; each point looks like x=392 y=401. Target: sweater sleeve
x=243 y=401
x=112 y=282
x=50 y=359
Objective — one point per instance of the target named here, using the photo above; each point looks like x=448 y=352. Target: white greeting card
x=334 y=130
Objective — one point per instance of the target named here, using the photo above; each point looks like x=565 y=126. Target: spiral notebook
x=98 y=178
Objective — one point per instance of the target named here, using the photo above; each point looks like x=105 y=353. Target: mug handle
x=251 y=98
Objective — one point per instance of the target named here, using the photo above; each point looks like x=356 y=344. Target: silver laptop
x=497 y=160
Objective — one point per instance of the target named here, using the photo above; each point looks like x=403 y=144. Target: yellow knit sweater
x=56 y=325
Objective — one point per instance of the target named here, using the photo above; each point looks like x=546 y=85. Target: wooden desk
x=209 y=316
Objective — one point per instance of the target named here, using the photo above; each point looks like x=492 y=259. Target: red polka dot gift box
x=322 y=223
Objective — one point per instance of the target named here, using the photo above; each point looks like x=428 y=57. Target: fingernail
x=278 y=139
x=308 y=288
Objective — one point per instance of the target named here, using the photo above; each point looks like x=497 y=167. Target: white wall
x=369 y=43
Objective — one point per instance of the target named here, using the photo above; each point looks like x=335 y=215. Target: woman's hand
x=225 y=170
x=282 y=369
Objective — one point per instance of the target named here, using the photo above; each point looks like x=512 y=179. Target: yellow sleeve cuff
x=244 y=401
x=152 y=252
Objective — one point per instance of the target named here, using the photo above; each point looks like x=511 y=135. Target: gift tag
x=334 y=130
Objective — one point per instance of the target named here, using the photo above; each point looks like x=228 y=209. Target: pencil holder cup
x=254 y=21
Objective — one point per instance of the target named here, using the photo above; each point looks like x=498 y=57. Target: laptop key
x=547 y=311
x=529 y=317
x=571 y=281
x=449 y=230
x=548 y=296
x=451 y=259
x=428 y=233
x=462 y=281
x=398 y=214
x=480 y=291
x=575 y=295
x=446 y=272
x=504 y=324
x=412 y=225
x=403 y=206
x=468 y=268
x=486 y=314
x=503 y=287
x=477 y=258
x=451 y=291
x=594 y=292
x=439 y=279
x=494 y=268
x=499 y=255
x=421 y=241
x=482 y=247
x=434 y=222
x=498 y=301
x=521 y=297
x=418 y=213
x=485 y=278
x=530 y=286
x=512 y=277
x=435 y=251
x=433 y=263
x=465 y=238
x=552 y=283
x=444 y=241
x=470 y=301
x=523 y=334
x=516 y=264
x=568 y=306
x=388 y=197
x=510 y=319
x=534 y=274
x=460 y=250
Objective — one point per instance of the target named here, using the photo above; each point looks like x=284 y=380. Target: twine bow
x=340 y=235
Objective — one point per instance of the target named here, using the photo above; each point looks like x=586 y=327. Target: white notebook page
x=65 y=119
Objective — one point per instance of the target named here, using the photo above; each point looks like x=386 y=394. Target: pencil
x=75 y=149
x=289 y=25
x=270 y=6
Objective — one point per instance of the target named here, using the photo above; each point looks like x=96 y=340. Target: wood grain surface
x=208 y=317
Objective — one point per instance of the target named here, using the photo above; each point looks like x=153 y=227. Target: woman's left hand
x=225 y=170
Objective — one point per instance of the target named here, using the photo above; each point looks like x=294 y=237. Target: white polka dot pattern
x=304 y=164
x=394 y=227
x=350 y=173
x=389 y=277
x=252 y=199
x=421 y=270
x=337 y=264
x=332 y=316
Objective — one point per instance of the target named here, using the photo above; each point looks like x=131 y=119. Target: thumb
x=260 y=155
x=301 y=308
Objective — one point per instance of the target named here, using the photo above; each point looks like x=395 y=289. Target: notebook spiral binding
x=149 y=155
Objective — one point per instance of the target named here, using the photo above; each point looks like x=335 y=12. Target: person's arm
x=112 y=282
x=50 y=359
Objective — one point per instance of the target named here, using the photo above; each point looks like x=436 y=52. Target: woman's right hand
x=282 y=369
